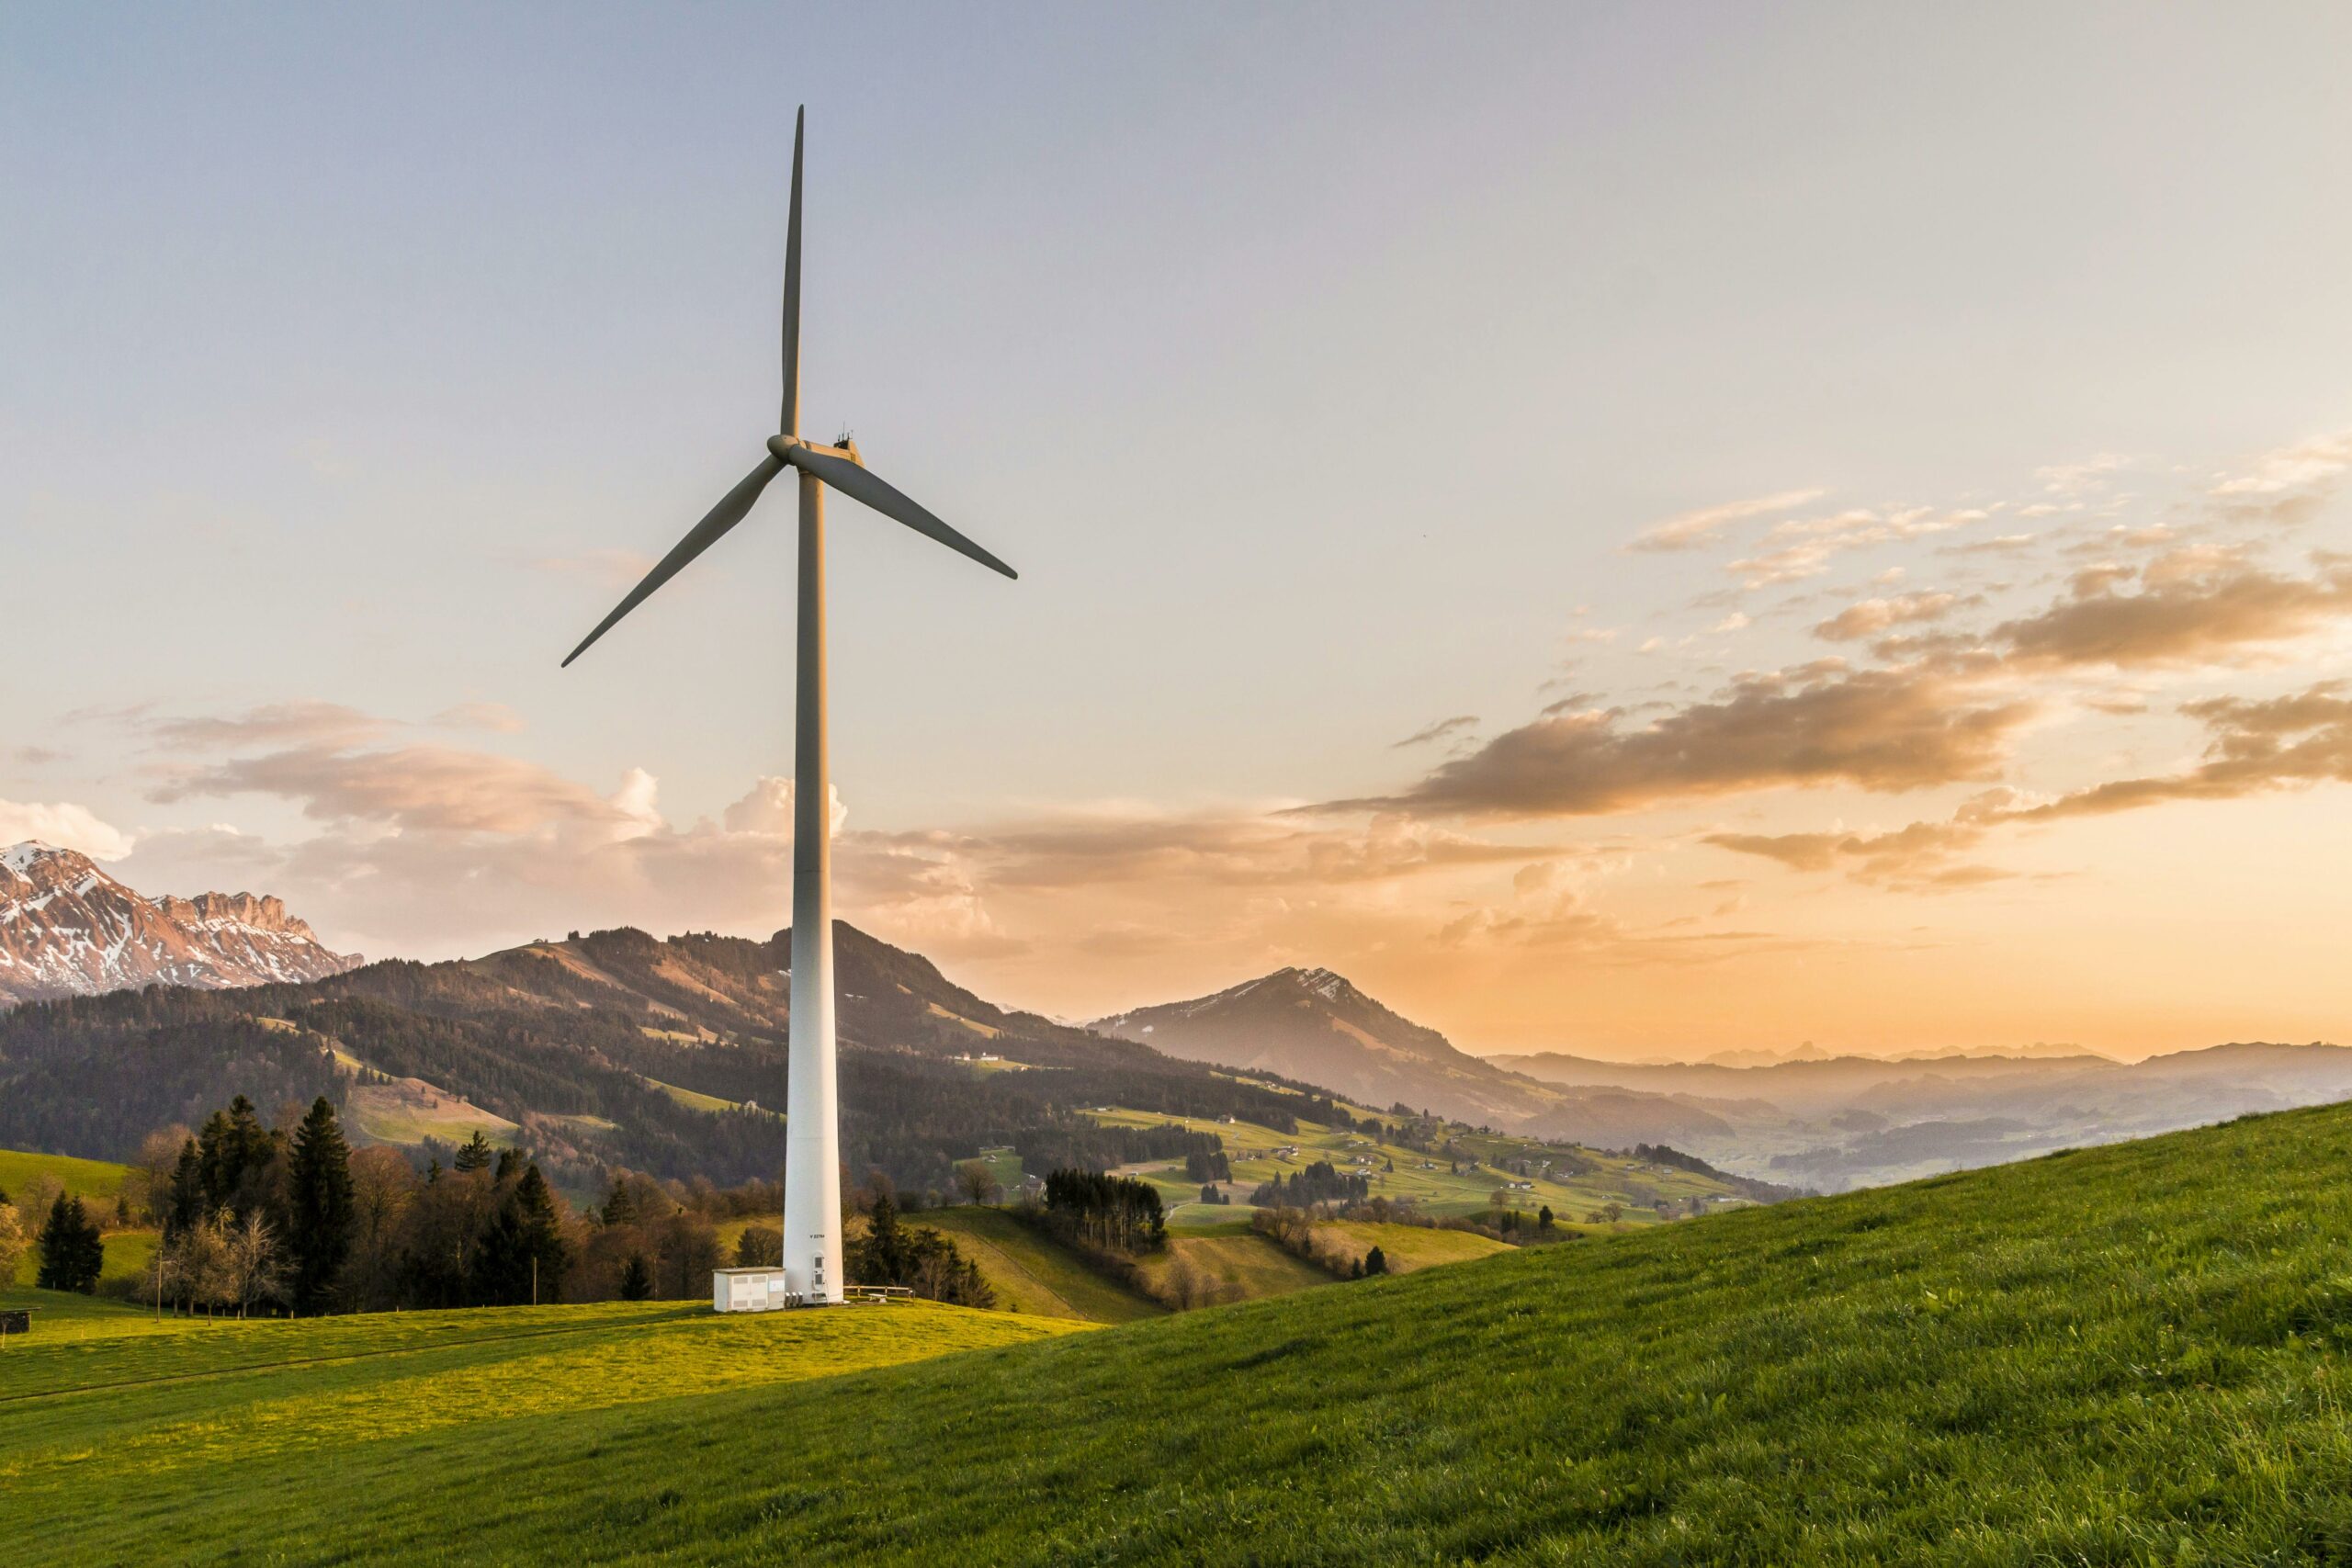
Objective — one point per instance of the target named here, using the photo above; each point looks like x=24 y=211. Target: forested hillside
x=616 y=1048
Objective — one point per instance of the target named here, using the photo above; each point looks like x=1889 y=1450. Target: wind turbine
x=812 y=1250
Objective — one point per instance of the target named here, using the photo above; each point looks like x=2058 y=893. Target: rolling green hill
x=1408 y=1247
x=1573 y=1181
x=91 y=1179
x=96 y=1182
x=2130 y=1354
x=1033 y=1273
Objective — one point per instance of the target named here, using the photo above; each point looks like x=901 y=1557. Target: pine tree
x=539 y=1234
x=881 y=1254
x=185 y=1207
x=1376 y=1262
x=637 y=1279
x=475 y=1153
x=234 y=1150
x=72 y=1251
x=318 y=1229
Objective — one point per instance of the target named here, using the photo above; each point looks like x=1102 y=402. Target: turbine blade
x=859 y=484
x=789 y=422
x=730 y=511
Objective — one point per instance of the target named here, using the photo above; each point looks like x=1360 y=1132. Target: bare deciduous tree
x=978 y=1182
x=383 y=1189
x=234 y=1263
x=12 y=1241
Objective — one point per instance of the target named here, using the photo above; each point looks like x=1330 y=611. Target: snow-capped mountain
x=68 y=928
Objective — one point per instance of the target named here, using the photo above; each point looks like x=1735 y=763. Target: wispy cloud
x=1444 y=728
x=1705 y=527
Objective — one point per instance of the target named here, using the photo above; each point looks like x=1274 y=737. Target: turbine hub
x=782 y=445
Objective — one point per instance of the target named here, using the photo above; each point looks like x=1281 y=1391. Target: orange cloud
x=1871 y=617
x=2189 y=610
x=1824 y=724
x=1696 y=530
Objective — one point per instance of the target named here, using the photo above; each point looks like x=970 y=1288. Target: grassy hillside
x=2131 y=1354
x=89 y=1177
x=99 y=1183
x=1424 y=1179
x=1032 y=1273
x=1243 y=1266
x=1407 y=1247
x=177 y=1406
x=127 y=1255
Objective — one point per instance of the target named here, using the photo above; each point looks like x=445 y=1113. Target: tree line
x=1321 y=1182
x=917 y=1257
x=1117 y=1213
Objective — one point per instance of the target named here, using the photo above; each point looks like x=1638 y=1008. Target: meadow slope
x=2131 y=1354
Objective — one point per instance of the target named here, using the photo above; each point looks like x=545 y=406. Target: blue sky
x=1314 y=364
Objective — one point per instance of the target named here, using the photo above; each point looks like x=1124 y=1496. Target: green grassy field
x=1005 y=1164
x=1423 y=1180
x=89 y=1177
x=1249 y=1265
x=97 y=1182
x=694 y=1100
x=1407 y=1247
x=127 y=1255
x=2126 y=1355
x=1032 y=1273
x=157 y=1417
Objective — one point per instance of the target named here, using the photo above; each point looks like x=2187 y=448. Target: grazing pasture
x=2122 y=1355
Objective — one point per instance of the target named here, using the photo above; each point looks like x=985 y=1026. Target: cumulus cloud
x=2074 y=479
x=1242 y=850
x=62 y=825
x=1802 y=547
x=2302 y=466
x=2253 y=746
x=2193 y=607
x=1871 y=617
x=441 y=848
x=766 y=808
x=417 y=788
x=1696 y=530
x=1822 y=723
x=1921 y=857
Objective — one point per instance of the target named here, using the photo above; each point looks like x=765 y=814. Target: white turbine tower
x=812 y=1247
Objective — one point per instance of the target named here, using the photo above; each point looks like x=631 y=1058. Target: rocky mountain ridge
x=68 y=928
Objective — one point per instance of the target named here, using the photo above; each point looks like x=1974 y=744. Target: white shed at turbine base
x=751 y=1289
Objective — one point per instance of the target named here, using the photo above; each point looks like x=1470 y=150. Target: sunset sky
x=1635 y=530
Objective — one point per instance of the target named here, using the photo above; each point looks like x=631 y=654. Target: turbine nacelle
x=785 y=446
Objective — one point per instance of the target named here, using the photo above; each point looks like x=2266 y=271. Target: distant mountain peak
x=1314 y=1024
x=20 y=858
x=68 y=928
